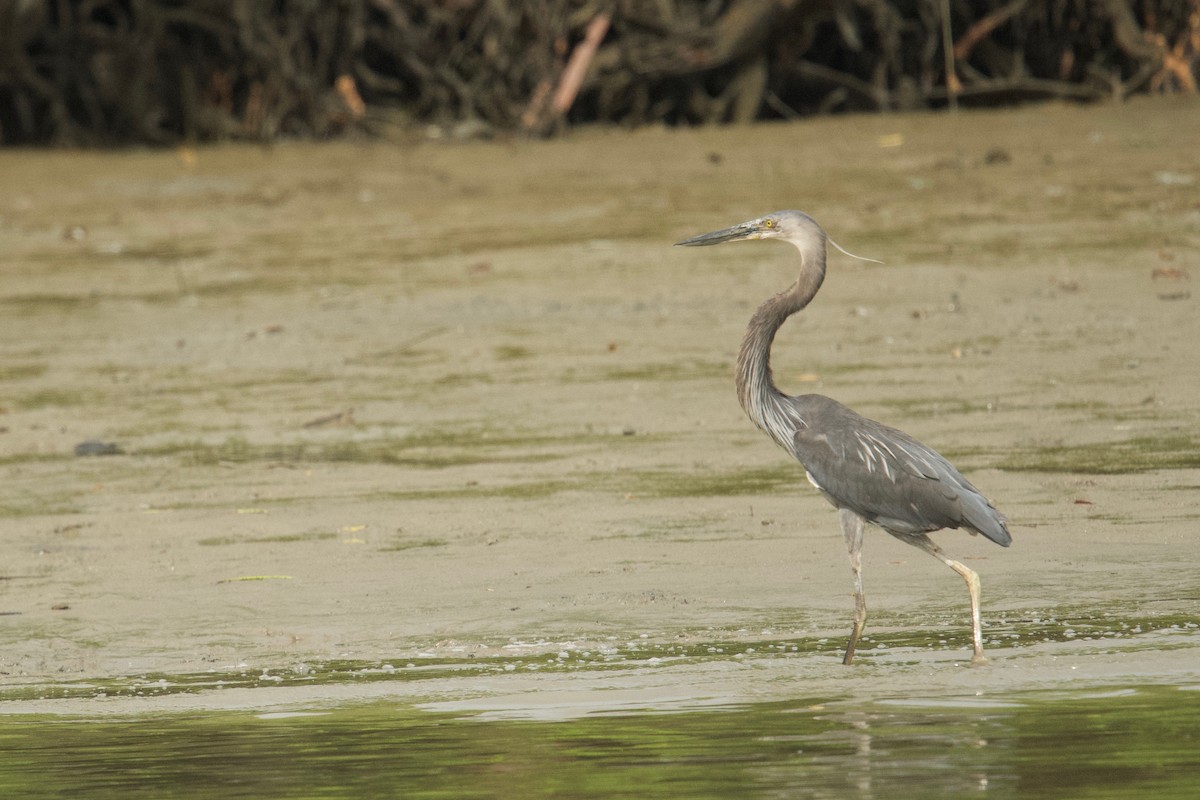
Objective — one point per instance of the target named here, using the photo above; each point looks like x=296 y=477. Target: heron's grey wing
x=887 y=477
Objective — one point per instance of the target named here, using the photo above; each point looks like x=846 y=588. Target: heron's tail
x=980 y=516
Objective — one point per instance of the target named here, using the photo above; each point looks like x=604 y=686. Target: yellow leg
x=972 y=580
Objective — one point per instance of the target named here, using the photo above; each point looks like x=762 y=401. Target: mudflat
x=454 y=422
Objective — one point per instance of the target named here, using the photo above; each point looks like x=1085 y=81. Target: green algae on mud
x=429 y=448
x=311 y=536
x=898 y=646
x=703 y=482
x=1117 y=457
x=41 y=504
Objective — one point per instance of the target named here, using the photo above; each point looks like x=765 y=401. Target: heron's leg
x=925 y=543
x=852 y=528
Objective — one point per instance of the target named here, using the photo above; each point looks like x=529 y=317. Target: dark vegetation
x=103 y=72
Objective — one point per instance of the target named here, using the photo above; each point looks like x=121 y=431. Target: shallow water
x=1116 y=743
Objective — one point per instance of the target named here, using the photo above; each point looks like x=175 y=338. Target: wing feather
x=886 y=476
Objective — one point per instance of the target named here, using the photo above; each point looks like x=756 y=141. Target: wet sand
x=462 y=406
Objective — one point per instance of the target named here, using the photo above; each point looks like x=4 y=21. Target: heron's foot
x=979 y=660
x=855 y=635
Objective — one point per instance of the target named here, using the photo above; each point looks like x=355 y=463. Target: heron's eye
x=770 y=223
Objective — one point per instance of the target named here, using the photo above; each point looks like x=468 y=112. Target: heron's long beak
x=745 y=230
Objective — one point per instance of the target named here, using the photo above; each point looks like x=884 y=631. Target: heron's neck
x=760 y=398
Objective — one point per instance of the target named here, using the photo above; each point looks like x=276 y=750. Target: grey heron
x=870 y=472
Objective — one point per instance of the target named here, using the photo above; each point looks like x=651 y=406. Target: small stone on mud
x=94 y=447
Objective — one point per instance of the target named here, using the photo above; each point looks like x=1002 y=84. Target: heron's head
x=792 y=226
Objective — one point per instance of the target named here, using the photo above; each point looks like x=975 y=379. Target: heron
x=870 y=472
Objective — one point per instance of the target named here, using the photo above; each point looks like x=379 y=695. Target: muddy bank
x=403 y=403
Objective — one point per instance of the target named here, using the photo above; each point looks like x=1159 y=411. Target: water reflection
x=1034 y=745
